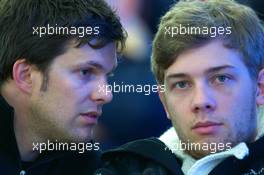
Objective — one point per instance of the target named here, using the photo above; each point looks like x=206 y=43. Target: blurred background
x=132 y=116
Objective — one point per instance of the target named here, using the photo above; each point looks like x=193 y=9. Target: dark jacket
x=149 y=157
x=48 y=163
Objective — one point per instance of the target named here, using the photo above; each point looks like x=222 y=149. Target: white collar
x=204 y=165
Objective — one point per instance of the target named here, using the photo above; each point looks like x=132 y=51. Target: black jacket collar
x=150 y=148
x=7 y=141
x=154 y=150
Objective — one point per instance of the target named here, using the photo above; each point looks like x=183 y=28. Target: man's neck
x=25 y=138
x=23 y=134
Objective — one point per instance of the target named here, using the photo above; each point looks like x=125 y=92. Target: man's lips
x=207 y=127
x=90 y=118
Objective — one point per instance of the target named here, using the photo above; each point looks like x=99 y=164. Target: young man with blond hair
x=210 y=56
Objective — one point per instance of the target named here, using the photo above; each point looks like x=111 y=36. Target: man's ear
x=161 y=92
x=260 y=88
x=22 y=75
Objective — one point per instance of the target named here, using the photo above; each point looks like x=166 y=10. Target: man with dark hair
x=55 y=56
x=210 y=57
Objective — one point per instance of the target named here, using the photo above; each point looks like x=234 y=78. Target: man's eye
x=181 y=85
x=85 y=72
x=220 y=79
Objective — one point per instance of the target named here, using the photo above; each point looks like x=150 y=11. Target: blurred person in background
x=132 y=110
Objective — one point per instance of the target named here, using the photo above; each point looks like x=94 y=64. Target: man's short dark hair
x=19 y=18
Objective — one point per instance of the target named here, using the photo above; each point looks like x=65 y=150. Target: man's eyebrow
x=94 y=64
x=176 y=75
x=218 y=68
x=208 y=71
x=99 y=66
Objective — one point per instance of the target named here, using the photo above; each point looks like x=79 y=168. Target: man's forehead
x=205 y=58
x=101 y=58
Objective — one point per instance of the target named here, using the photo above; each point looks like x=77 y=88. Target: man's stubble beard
x=45 y=126
x=242 y=135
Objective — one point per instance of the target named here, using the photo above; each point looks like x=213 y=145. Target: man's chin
x=81 y=138
x=77 y=138
x=199 y=150
x=84 y=134
x=198 y=154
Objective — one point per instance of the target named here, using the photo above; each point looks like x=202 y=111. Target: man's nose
x=203 y=99
x=102 y=92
